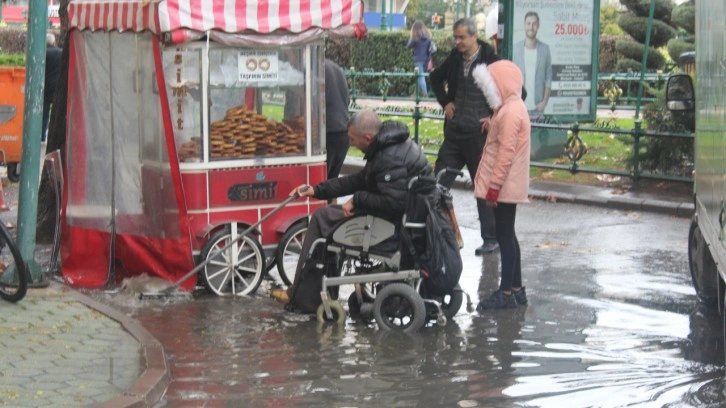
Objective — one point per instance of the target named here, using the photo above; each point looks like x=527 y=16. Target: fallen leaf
x=548 y=244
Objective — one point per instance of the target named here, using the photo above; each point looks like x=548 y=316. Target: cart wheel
x=288 y=252
x=336 y=309
x=14 y=172
x=399 y=307
x=237 y=269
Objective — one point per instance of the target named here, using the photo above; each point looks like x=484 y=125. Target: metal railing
x=575 y=149
x=625 y=101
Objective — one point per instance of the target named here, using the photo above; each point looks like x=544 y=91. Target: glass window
x=183 y=73
x=256 y=103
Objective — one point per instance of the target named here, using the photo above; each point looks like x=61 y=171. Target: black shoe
x=487 y=248
x=498 y=300
x=520 y=296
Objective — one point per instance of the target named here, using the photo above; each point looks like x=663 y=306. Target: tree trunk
x=47 y=210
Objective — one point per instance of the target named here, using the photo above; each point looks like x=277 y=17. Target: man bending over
x=392 y=159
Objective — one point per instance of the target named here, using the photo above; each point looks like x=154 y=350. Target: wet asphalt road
x=612 y=321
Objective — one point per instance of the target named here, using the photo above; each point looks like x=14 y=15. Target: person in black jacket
x=53 y=56
x=392 y=159
x=337 y=99
x=465 y=110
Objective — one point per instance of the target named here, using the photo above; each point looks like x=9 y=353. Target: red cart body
x=187 y=122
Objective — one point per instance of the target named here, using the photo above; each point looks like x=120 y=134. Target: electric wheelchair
x=368 y=252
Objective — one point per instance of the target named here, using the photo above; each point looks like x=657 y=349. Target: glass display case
x=263 y=105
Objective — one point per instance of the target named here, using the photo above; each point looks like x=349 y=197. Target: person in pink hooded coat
x=502 y=178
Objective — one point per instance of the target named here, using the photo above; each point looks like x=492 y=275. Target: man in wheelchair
x=392 y=159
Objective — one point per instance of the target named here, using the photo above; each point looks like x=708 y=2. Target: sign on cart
x=261 y=66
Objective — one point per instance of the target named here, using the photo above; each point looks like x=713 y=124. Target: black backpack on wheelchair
x=434 y=248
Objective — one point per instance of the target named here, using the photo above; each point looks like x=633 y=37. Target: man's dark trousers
x=455 y=153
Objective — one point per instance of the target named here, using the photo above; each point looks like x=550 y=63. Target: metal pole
x=32 y=128
x=645 y=60
x=383 y=14
x=391 y=10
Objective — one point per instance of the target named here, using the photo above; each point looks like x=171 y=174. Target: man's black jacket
x=381 y=186
x=449 y=70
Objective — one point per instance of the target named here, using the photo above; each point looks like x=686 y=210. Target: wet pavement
x=612 y=321
x=57 y=350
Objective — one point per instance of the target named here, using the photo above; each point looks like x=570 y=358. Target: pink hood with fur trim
x=505 y=162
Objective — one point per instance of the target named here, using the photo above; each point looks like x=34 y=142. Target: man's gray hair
x=365 y=121
x=467 y=22
x=49 y=39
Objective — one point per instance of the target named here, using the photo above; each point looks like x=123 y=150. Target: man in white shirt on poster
x=533 y=59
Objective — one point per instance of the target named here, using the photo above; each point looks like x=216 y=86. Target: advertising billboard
x=555 y=44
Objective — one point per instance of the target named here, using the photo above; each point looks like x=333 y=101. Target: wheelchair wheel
x=399 y=307
x=450 y=304
x=336 y=309
x=236 y=269
x=289 y=251
x=360 y=312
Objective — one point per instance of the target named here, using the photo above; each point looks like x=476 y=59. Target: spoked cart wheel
x=399 y=307
x=237 y=269
x=289 y=251
x=11 y=289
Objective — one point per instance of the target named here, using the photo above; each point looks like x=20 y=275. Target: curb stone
x=150 y=386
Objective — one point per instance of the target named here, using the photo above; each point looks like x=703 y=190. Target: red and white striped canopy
x=232 y=16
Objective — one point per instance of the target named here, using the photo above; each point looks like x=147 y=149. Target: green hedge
x=676 y=47
x=627 y=64
x=637 y=27
x=12 y=60
x=684 y=16
x=386 y=51
x=663 y=8
x=635 y=51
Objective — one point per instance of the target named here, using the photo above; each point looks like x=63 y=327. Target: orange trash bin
x=12 y=100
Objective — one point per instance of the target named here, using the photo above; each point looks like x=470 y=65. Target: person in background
x=502 y=178
x=53 y=56
x=532 y=56
x=465 y=110
x=420 y=42
x=337 y=99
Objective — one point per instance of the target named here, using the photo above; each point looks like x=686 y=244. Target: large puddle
x=612 y=322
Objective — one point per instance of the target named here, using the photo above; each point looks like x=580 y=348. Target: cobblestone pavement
x=55 y=351
x=59 y=348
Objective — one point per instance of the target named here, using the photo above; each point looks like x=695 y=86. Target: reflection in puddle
x=611 y=323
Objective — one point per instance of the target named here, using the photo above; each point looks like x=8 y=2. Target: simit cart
x=188 y=122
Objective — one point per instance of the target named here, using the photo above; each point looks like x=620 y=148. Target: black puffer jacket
x=381 y=186
x=448 y=72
